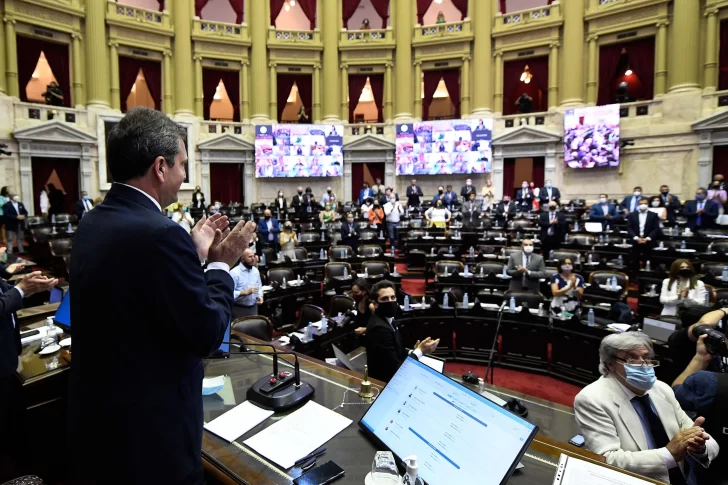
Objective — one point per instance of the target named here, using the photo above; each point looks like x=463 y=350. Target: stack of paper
x=573 y=471
x=238 y=421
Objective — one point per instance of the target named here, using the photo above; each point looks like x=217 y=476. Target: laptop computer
x=657 y=329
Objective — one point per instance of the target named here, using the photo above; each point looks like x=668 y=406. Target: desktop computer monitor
x=62 y=317
x=56 y=295
x=457 y=435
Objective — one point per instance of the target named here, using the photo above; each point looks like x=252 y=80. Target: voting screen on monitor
x=457 y=435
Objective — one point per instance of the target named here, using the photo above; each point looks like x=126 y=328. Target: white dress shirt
x=86 y=205
x=605 y=209
x=391 y=214
x=148 y=196
x=643 y=220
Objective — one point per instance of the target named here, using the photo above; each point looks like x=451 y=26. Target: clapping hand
x=35 y=283
x=427 y=346
x=228 y=247
x=204 y=232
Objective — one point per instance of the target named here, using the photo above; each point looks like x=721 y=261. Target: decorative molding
x=225 y=142
x=368 y=142
x=526 y=135
x=54 y=131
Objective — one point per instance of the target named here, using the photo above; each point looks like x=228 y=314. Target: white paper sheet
x=619 y=327
x=572 y=471
x=238 y=421
x=298 y=434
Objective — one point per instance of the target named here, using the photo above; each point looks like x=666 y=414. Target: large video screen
x=299 y=150
x=591 y=137
x=444 y=147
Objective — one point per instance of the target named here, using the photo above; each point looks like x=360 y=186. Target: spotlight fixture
x=286 y=7
x=526 y=75
x=438 y=2
x=292 y=3
x=628 y=72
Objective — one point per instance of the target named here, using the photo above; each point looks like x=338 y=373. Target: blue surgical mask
x=548 y=186
x=642 y=378
x=85 y=197
x=4 y=257
x=698 y=196
x=603 y=200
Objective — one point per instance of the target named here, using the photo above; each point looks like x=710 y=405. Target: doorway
x=516 y=170
x=226 y=183
x=63 y=173
x=365 y=172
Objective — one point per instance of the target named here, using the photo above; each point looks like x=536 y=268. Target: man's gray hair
x=621 y=342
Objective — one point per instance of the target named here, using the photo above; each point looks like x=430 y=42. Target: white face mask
x=643 y=207
x=528 y=249
x=566 y=268
x=637 y=193
x=603 y=200
x=524 y=186
x=16 y=198
x=655 y=203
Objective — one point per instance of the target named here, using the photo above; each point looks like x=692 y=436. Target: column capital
x=272 y=64
x=554 y=44
x=76 y=36
x=197 y=58
x=389 y=65
x=9 y=20
x=711 y=11
x=114 y=44
x=498 y=53
x=417 y=63
x=317 y=66
x=662 y=23
x=467 y=58
x=245 y=62
x=167 y=53
x=592 y=37
x=344 y=65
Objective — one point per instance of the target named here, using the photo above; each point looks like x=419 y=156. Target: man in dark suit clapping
x=136 y=379
x=505 y=211
x=643 y=227
x=525 y=268
x=553 y=227
x=15 y=215
x=701 y=213
x=350 y=233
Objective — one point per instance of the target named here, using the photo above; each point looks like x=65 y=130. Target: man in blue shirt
x=364 y=193
x=248 y=291
x=631 y=202
x=603 y=212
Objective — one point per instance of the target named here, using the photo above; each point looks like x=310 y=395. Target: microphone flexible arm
x=296 y=366
x=243 y=349
x=489 y=368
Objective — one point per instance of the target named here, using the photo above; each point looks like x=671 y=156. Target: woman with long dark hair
x=681 y=288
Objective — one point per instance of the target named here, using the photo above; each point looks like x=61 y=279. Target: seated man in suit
x=701 y=213
x=385 y=349
x=268 y=230
x=643 y=227
x=524 y=197
x=83 y=206
x=630 y=203
x=634 y=420
x=553 y=227
x=350 y=233
x=604 y=212
x=549 y=193
x=526 y=268
x=505 y=211
x=15 y=215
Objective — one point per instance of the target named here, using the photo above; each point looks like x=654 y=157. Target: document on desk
x=573 y=471
x=238 y=421
x=298 y=434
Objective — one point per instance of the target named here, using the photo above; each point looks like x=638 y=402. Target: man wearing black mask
x=297 y=201
x=670 y=201
x=385 y=349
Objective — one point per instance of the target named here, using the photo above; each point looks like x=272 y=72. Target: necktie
x=700 y=216
x=659 y=436
x=634 y=202
x=551 y=228
x=524 y=280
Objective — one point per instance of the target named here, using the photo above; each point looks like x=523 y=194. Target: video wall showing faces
x=299 y=150
x=591 y=137
x=444 y=147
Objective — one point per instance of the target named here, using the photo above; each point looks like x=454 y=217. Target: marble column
x=184 y=100
x=259 y=97
x=3 y=84
x=593 y=71
x=114 y=74
x=316 y=113
x=244 y=93
x=553 y=98
x=684 y=59
x=199 y=95
x=97 y=55
x=331 y=23
x=403 y=22
x=710 y=69
x=11 y=59
x=78 y=99
x=273 y=102
x=498 y=85
x=345 y=94
x=465 y=88
x=661 y=59
x=388 y=93
x=481 y=15
x=417 y=90
x=572 y=72
x=167 y=103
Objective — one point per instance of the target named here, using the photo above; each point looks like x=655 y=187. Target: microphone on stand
x=489 y=368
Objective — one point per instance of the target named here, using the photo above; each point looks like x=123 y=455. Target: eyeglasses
x=640 y=363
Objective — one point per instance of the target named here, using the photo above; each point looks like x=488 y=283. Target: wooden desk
x=37 y=311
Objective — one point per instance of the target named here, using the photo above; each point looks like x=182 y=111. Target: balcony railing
x=714 y=102
x=544 y=119
x=294 y=38
x=637 y=109
x=366 y=39
x=220 y=32
x=528 y=18
x=120 y=14
x=438 y=33
x=213 y=128
x=28 y=114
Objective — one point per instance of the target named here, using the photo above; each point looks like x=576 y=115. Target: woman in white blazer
x=681 y=288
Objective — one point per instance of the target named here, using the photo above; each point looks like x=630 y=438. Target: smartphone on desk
x=322 y=475
x=577 y=440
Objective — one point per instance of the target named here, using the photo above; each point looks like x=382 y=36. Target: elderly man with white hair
x=634 y=420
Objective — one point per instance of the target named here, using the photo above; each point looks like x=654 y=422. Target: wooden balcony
x=366 y=39
x=525 y=20
x=295 y=39
x=138 y=18
x=220 y=32
x=442 y=33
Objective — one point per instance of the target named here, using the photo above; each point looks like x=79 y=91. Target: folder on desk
x=573 y=471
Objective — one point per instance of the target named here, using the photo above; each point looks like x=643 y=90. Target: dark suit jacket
x=500 y=211
x=536 y=266
x=297 y=200
x=385 y=350
x=10 y=302
x=707 y=221
x=526 y=202
x=414 y=192
x=560 y=227
x=347 y=240
x=543 y=195
x=144 y=315
x=466 y=189
x=79 y=208
x=263 y=229
x=198 y=204
x=11 y=216
x=627 y=203
x=671 y=206
x=597 y=214
x=275 y=208
x=652 y=226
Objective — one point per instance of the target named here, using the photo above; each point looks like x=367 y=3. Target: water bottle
x=601 y=239
x=503 y=252
x=381 y=234
x=566 y=238
x=551 y=254
x=298 y=277
x=53 y=231
x=653 y=290
x=406 y=302
x=467 y=271
x=682 y=245
x=322 y=254
x=578 y=258
x=445 y=301
x=324 y=324
x=424 y=302
x=391 y=251
x=299 y=236
x=251 y=217
x=406 y=213
x=53 y=218
x=707 y=298
x=466 y=303
x=505 y=269
x=346 y=272
x=482 y=272
x=648 y=265
x=472 y=252
x=262 y=259
x=432 y=251
x=624 y=241
x=279 y=256
x=309 y=332
x=662 y=245
x=571 y=208
x=606 y=239
x=518 y=235
x=70 y=228
x=366 y=272
x=576 y=226
x=512 y=305
x=591 y=258
x=541 y=311
x=614 y=284
x=590 y=317
x=620 y=261
x=284 y=285
x=724 y=275
x=449 y=250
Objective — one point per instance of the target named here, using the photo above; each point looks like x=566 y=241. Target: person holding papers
x=385 y=350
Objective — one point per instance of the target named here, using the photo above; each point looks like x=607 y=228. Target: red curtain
x=128 y=71
x=422 y=6
x=509 y=173
x=451 y=77
x=199 y=5
x=358 y=177
x=161 y=5
x=382 y=8
x=537 y=89
x=538 y=172
x=723 y=57
x=231 y=79
x=210 y=81
x=640 y=57
x=309 y=8
x=356 y=85
x=720 y=160
x=304 y=83
x=68 y=173
x=225 y=182
x=376 y=81
x=29 y=50
x=503 y=6
x=348 y=8
x=431 y=80
x=275 y=10
x=237 y=5
x=461 y=5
